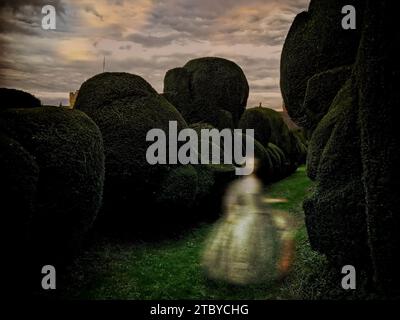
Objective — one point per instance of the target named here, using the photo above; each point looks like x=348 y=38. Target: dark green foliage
x=221 y=83
x=298 y=151
x=124 y=121
x=12 y=98
x=196 y=190
x=189 y=193
x=321 y=90
x=212 y=179
x=353 y=153
x=177 y=192
x=218 y=169
x=378 y=79
x=205 y=86
x=269 y=127
x=279 y=155
x=278 y=160
x=302 y=135
x=337 y=205
x=257 y=119
x=324 y=129
x=225 y=120
x=335 y=213
x=299 y=145
x=191 y=187
x=104 y=88
x=264 y=169
x=275 y=161
x=200 y=126
x=259 y=153
x=205 y=181
x=177 y=92
x=124 y=125
x=316 y=43
x=58 y=173
x=211 y=185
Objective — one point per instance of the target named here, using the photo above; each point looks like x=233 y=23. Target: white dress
x=243 y=247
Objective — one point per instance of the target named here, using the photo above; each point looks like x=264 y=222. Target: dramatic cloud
x=145 y=37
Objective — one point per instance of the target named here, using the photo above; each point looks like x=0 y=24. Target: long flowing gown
x=243 y=247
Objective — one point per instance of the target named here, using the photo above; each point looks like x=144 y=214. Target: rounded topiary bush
x=206 y=85
x=321 y=90
x=257 y=119
x=179 y=189
x=354 y=150
x=178 y=92
x=280 y=133
x=125 y=120
x=269 y=127
x=335 y=212
x=65 y=191
x=190 y=193
x=12 y=98
x=316 y=36
x=211 y=144
x=104 y=88
x=324 y=129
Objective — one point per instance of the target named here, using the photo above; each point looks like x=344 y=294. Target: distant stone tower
x=72 y=98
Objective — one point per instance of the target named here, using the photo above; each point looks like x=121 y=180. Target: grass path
x=170 y=269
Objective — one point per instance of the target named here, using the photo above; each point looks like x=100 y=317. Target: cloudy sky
x=145 y=37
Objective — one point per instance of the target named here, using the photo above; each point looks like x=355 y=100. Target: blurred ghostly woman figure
x=245 y=246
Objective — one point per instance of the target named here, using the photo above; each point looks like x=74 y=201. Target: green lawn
x=170 y=269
